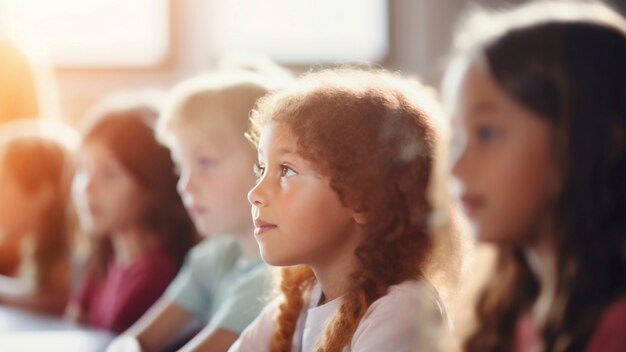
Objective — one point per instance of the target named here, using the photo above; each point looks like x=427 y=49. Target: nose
x=459 y=168
x=90 y=187
x=256 y=196
x=185 y=183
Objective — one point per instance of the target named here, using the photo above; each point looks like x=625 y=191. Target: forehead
x=276 y=138
x=476 y=84
x=214 y=114
x=209 y=134
x=479 y=94
x=93 y=149
x=96 y=152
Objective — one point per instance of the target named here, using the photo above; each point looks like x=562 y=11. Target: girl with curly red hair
x=341 y=203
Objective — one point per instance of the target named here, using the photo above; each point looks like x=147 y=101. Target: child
x=345 y=158
x=36 y=221
x=224 y=279
x=541 y=100
x=125 y=190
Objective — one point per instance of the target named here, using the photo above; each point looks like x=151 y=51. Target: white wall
x=420 y=35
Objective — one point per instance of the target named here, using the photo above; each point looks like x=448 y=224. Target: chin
x=493 y=237
x=483 y=234
x=203 y=229
x=97 y=232
x=274 y=261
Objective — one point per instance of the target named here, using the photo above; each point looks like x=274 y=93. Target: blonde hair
x=228 y=96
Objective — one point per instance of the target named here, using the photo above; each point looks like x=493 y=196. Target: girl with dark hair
x=37 y=222
x=125 y=191
x=345 y=160
x=541 y=98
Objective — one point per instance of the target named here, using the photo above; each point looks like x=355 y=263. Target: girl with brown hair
x=541 y=99
x=125 y=192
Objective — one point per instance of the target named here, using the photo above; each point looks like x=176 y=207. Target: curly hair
x=375 y=135
x=565 y=62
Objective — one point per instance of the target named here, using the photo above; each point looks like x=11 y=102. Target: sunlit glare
x=303 y=31
x=95 y=32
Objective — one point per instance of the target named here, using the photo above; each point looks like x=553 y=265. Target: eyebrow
x=280 y=151
x=483 y=107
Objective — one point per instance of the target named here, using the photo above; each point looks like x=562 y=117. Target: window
x=96 y=33
x=302 y=31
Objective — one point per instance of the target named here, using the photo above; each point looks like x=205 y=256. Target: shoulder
x=154 y=272
x=409 y=317
x=217 y=249
x=204 y=272
x=255 y=278
x=609 y=334
x=157 y=263
x=259 y=332
x=410 y=297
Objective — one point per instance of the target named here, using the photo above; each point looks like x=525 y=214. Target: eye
x=286 y=171
x=110 y=173
x=205 y=162
x=259 y=170
x=487 y=133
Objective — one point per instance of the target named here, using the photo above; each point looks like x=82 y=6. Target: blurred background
x=84 y=49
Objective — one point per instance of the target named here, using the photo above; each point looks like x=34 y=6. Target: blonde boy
x=224 y=279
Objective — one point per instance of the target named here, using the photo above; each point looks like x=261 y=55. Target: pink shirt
x=610 y=334
x=409 y=318
x=126 y=292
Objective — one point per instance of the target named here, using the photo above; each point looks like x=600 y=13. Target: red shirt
x=126 y=293
x=609 y=336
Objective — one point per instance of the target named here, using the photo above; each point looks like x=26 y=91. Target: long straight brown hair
x=129 y=134
x=565 y=62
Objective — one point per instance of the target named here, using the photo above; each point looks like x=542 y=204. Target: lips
x=262 y=226
x=196 y=210
x=472 y=203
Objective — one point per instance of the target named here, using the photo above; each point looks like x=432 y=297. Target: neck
x=334 y=271
x=131 y=244
x=541 y=260
x=334 y=281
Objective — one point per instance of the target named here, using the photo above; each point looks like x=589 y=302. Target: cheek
x=522 y=198
x=125 y=202
x=314 y=208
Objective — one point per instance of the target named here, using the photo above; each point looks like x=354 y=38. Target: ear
x=359 y=217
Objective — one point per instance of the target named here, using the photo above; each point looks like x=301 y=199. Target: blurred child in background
x=224 y=280
x=125 y=191
x=37 y=223
x=540 y=97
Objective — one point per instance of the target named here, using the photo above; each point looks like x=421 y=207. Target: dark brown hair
x=129 y=134
x=570 y=70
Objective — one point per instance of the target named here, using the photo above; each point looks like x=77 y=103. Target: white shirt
x=411 y=317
